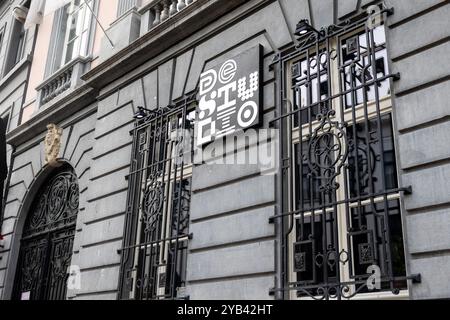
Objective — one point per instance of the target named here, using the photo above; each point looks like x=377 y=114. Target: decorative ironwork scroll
x=156 y=233
x=46 y=246
x=52 y=144
x=327 y=151
x=56 y=205
x=338 y=212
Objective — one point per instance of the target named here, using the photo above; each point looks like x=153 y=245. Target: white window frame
x=82 y=29
x=81 y=39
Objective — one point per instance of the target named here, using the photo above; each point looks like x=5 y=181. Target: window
x=341 y=210
x=125 y=5
x=157 y=222
x=16 y=45
x=73 y=25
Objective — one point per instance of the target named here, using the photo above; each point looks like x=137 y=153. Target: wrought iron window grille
x=338 y=219
x=153 y=263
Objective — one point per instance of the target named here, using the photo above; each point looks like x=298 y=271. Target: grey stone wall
x=102 y=234
x=169 y=80
x=419 y=44
x=29 y=168
x=122 y=32
x=232 y=253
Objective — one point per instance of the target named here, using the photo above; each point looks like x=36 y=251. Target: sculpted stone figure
x=52 y=144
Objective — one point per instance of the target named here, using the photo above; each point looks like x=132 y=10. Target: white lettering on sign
x=230 y=96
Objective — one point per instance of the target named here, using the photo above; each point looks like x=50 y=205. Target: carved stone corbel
x=52 y=144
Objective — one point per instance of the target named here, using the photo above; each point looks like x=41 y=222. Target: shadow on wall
x=3 y=165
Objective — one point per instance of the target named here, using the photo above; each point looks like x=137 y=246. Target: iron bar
x=336 y=188
x=153 y=258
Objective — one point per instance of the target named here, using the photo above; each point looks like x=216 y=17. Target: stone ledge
x=76 y=100
x=182 y=25
x=19 y=66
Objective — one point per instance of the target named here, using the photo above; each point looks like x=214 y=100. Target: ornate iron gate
x=157 y=220
x=338 y=222
x=46 y=246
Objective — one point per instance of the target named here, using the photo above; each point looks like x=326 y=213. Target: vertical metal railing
x=338 y=207
x=156 y=233
x=162 y=10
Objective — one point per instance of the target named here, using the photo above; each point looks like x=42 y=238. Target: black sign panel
x=230 y=96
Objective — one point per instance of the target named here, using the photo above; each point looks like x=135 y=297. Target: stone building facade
x=230 y=231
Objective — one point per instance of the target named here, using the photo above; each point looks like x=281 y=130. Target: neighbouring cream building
x=106 y=106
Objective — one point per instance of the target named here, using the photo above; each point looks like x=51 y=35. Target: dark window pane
x=309 y=176
x=315 y=251
x=359 y=67
x=369 y=148
x=19 y=52
x=367 y=238
x=15 y=47
x=306 y=88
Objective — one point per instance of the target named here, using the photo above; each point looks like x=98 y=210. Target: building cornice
x=55 y=74
x=61 y=109
x=185 y=23
x=193 y=18
x=15 y=70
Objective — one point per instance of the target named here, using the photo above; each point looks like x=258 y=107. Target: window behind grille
x=340 y=205
x=157 y=221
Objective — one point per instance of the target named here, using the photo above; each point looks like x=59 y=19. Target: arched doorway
x=47 y=239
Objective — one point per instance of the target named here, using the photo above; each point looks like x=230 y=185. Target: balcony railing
x=60 y=84
x=61 y=81
x=158 y=11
